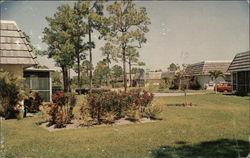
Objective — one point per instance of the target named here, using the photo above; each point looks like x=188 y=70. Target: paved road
x=174 y=94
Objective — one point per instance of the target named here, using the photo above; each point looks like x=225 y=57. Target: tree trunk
x=179 y=85
x=124 y=68
x=90 y=60
x=108 y=75
x=130 y=77
x=79 y=74
x=65 y=79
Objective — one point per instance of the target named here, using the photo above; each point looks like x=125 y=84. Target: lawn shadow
x=179 y=104
x=221 y=148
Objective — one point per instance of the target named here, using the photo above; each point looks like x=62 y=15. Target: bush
x=152 y=111
x=61 y=110
x=85 y=119
x=121 y=103
x=110 y=117
x=11 y=95
x=32 y=104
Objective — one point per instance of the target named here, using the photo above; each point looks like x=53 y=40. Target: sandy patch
x=75 y=124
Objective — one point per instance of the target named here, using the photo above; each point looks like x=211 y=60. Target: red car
x=224 y=87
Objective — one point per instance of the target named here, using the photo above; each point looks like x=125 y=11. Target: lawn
x=217 y=126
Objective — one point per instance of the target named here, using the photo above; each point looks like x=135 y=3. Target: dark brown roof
x=203 y=68
x=241 y=62
x=14 y=48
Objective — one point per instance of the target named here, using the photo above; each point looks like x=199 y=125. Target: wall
x=14 y=68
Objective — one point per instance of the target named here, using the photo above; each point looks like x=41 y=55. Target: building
x=15 y=52
x=240 y=72
x=201 y=70
x=16 y=56
x=39 y=80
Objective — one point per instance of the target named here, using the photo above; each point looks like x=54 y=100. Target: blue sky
x=181 y=32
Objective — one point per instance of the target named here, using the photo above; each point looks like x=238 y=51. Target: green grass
x=210 y=128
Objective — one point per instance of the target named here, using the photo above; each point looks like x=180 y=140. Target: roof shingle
x=14 y=48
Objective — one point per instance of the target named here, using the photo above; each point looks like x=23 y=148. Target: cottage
x=240 y=72
x=15 y=52
x=16 y=56
x=201 y=70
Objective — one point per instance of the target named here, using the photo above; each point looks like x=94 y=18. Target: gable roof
x=241 y=62
x=14 y=48
x=203 y=68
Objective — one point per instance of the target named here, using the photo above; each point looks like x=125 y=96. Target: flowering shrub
x=60 y=99
x=61 y=110
x=32 y=104
x=119 y=103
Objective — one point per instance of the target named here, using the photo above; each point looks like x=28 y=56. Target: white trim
x=50 y=87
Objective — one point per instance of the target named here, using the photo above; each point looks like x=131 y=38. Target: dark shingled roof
x=14 y=48
x=241 y=62
x=203 y=68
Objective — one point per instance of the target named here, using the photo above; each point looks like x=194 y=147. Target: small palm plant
x=214 y=75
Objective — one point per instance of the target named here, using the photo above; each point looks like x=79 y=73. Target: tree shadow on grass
x=222 y=148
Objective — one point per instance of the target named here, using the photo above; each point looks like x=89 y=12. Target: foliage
x=85 y=118
x=56 y=78
x=152 y=111
x=215 y=74
x=120 y=104
x=173 y=67
x=110 y=117
x=61 y=110
x=137 y=70
x=167 y=82
x=58 y=37
x=101 y=73
x=12 y=94
x=33 y=103
x=128 y=28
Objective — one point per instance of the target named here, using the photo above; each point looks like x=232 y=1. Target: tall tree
x=95 y=21
x=116 y=72
x=132 y=59
x=101 y=72
x=58 y=38
x=129 y=26
x=78 y=32
x=109 y=52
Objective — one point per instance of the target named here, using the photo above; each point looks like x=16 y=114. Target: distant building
x=201 y=70
x=240 y=70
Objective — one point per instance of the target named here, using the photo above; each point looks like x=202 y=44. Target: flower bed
x=107 y=107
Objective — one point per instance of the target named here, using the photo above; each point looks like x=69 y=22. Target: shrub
x=85 y=119
x=121 y=103
x=110 y=117
x=32 y=104
x=61 y=119
x=134 y=113
x=152 y=111
x=61 y=110
x=11 y=95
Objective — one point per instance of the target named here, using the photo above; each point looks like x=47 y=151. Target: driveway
x=174 y=94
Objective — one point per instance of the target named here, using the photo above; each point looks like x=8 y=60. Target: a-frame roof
x=241 y=62
x=14 y=48
x=203 y=68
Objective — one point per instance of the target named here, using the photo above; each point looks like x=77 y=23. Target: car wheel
x=225 y=91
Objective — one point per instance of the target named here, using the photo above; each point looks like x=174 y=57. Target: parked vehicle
x=224 y=87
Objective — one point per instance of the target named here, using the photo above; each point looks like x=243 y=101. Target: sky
x=180 y=32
